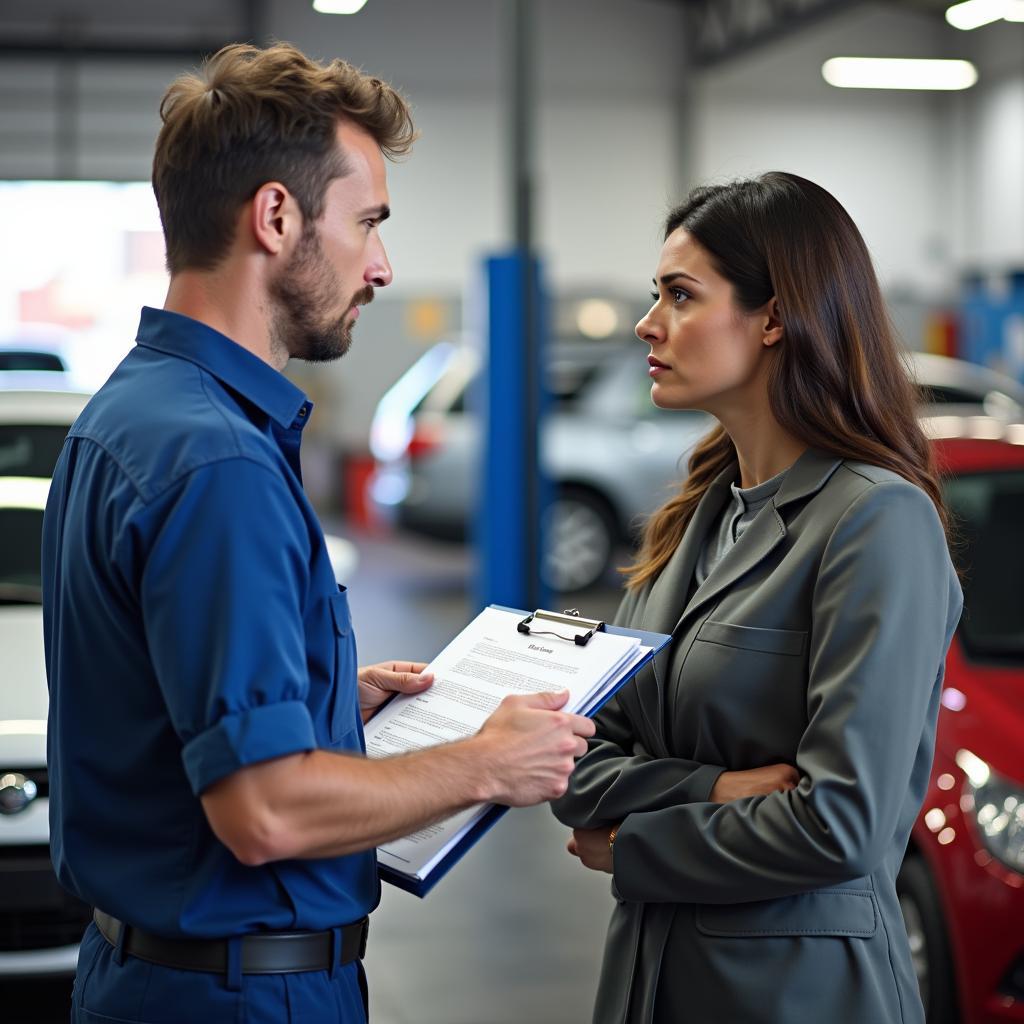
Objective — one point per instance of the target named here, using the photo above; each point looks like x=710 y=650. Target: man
x=209 y=793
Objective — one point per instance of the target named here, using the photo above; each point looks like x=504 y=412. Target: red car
x=962 y=882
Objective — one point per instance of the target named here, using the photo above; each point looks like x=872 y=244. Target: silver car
x=613 y=456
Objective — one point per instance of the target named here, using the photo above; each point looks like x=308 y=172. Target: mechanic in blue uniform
x=209 y=795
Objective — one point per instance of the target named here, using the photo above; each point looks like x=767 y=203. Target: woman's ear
x=772 y=323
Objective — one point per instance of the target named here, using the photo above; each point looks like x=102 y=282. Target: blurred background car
x=612 y=455
x=39 y=356
x=962 y=882
x=35 y=348
x=40 y=923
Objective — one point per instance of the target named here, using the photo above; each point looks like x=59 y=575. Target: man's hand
x=591 y=846
x=529 y=747
x=377 y=683
x=754 y=782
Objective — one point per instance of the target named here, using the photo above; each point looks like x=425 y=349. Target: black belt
x=262 y=953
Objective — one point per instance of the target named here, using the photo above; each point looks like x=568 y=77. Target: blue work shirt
x=193 y=626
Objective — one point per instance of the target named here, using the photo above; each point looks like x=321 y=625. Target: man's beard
x=299 y=293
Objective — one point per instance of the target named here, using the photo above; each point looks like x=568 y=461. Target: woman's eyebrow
x=669 y=278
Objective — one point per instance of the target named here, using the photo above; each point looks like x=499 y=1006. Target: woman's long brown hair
x=838 y=381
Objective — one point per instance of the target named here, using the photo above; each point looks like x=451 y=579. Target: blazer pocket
x=839 y=912
x=754 y=638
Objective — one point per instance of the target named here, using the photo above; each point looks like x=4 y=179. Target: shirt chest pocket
x=343 y=705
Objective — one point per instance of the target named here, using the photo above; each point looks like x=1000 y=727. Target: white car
x=40 y=923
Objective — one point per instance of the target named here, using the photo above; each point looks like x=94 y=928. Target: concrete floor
x=514 y=933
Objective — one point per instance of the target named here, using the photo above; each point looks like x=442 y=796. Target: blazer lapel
x=667 y=609
x=669 y=592
x=805 y=478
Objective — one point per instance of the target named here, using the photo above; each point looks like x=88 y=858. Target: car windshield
x=989 y=508
x=20 y=555
x=30 y=449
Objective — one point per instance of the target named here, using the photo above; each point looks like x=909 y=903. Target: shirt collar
x=233 y=365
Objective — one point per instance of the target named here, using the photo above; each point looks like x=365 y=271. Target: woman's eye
x=655 y=296
x=678 y=295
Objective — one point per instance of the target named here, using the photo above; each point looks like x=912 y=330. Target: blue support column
x=513 y=491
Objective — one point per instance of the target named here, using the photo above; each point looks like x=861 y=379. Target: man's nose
x=378 y=270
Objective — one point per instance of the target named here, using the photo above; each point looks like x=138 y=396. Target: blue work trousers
x=108 y=991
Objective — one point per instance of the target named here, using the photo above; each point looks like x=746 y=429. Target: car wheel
x=580 y=539
x=929 y=945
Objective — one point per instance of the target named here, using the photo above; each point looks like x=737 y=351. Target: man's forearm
x=322 y=804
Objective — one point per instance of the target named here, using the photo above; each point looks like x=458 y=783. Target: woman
x=752 y=794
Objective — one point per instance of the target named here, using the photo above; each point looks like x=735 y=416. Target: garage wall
x=933 y=180
x=882 y=154
x=987 y=123
x=605 y=125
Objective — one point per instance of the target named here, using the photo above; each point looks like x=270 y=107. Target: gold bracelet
x=612 y=834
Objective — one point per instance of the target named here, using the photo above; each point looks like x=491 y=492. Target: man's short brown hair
x=256 y=115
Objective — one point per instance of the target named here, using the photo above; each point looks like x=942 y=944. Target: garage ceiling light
x=338 y=6
x=974 y=13
x=597 y=318
x=898 y=73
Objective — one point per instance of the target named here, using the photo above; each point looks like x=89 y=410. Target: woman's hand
x=379 y=683
x=594 y=851
x=592 y=847
x=754 y=782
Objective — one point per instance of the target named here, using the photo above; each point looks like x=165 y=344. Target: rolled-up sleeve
x=224 y=579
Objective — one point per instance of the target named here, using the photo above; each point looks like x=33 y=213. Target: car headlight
x=998 y=812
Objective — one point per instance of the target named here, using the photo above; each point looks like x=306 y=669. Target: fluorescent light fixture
x=1014 y=10
x=23 y=492
x=22 y=727
x=898 y=73
x=975 y=13
x=338 y=6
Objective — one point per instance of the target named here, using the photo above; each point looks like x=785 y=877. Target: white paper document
x=488 y=661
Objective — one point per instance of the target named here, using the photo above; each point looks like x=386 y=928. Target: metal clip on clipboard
x=533 y=625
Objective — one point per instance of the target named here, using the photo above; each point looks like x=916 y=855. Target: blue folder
x=420 y=887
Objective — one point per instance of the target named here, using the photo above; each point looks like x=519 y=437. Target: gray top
x=735 y=518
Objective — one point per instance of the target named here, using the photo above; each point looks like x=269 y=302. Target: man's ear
x=274 y=218
x=772 y=323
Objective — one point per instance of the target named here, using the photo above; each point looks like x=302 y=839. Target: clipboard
x=655 y=641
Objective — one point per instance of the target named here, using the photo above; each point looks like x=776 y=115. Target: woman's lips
x=657 y=367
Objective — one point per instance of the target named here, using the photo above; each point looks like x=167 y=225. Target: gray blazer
x=819 y=640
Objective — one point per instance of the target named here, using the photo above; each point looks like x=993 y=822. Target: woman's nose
x=647 y=329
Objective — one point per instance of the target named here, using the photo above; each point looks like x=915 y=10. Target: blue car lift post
x=513 y=493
